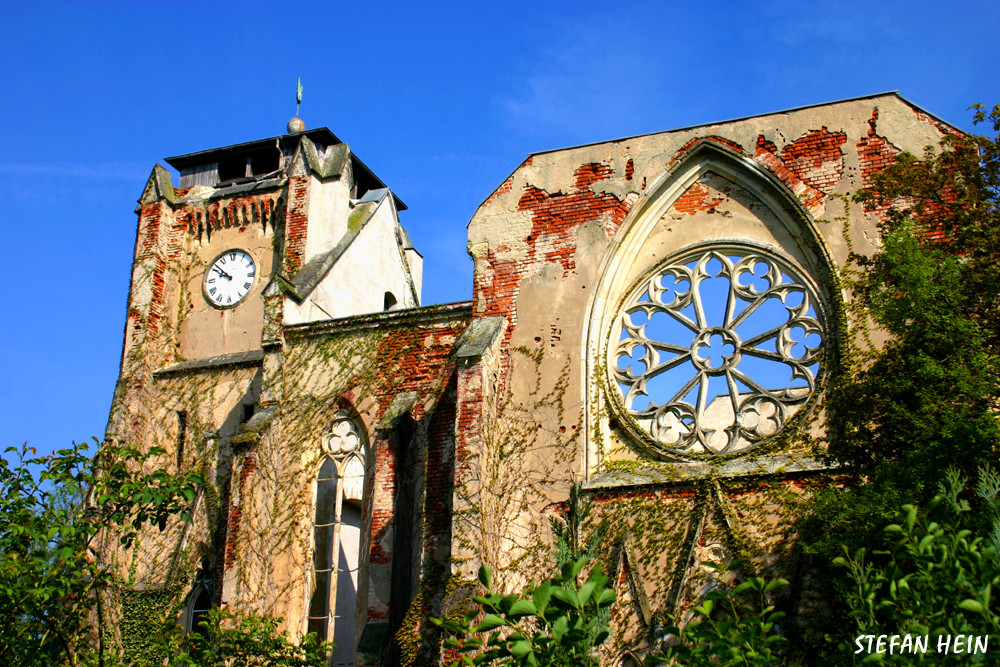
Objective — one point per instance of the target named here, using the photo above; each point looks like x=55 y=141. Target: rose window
x=716 y=349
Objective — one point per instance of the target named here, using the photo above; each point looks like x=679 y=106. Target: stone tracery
x=715 y=349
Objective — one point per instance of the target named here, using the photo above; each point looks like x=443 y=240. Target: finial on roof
x=295 y=125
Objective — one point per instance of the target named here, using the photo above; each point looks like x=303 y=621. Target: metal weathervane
x=298 y=94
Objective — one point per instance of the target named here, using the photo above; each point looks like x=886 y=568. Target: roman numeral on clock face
x=229 y=279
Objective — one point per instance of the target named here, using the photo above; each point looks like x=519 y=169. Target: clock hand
x=222 y=273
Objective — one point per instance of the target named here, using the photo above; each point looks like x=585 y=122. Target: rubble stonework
x=479 y=416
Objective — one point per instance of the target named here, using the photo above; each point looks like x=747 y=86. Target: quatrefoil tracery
x=715 y=351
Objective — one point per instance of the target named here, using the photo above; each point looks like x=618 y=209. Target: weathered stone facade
x=474 y=419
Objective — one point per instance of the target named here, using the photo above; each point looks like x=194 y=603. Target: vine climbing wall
x=653 y=320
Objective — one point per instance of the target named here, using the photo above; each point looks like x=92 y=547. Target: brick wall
x=296 y=223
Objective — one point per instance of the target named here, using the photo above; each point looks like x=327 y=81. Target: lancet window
x=199 y=601
x=337 y=537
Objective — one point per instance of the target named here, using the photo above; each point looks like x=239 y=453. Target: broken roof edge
x=804 y=107
x=356 y=162
x=889 y=93
x=436 y=314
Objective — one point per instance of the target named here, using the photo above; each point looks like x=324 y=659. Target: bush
x=557 y=623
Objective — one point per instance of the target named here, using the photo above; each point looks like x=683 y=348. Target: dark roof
x=320 y=135
x=289 y=142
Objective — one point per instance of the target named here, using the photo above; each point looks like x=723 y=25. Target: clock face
x=229 y=278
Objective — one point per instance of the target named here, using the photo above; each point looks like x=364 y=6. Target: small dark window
x=200 y=599
x=390 y=301
x=248 y=165
x=232 y=167
x=199 y=611
x=182 y=419
x=249 y=410
x=264 y=162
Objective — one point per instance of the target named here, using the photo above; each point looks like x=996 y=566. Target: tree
x=50 y=575
x=925 y=401
x=904 y=412
x=53 y=509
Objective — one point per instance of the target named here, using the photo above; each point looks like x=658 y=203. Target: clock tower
x=286 y=233
x=296 y=221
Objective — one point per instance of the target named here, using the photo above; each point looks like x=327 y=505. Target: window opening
x=248 y=166
x=715 y=350
x=389 y=302
x=337 y=538
x=199 y=601
x=181 y=437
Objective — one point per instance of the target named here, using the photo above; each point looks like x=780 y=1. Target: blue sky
x=441 y=100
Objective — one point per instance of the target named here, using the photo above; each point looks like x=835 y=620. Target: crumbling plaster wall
x=205 y=331
x=180 y=231
x=556 y=246
x=360 y=365
x=543 y=241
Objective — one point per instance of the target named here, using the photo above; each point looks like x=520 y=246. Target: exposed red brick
x=696 y=198
x=233 y=512
x=296 y=223
x=875 y=153
x=504 y=188
x=763 y=145
x=817 y=159
x=809 y=195
x=941 y=127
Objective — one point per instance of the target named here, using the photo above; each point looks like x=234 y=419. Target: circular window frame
x=642 y=438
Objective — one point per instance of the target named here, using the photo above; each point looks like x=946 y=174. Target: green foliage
x=925 y=400
x=938 y=576
x=50 y=575
x=228 y=639
x=935 y=579
x=552 y=624
x=919 y=389
x=146 y=617
x=732 y=628
x=570 y=543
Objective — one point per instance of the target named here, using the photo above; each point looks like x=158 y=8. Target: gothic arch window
x=337 y=537
x=708 y=330
x=199 y=601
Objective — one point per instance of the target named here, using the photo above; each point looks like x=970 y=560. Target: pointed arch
x=709 y=197
x=199 y=601
x=338 y=528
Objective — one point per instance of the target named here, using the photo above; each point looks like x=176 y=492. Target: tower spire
x=295 y=125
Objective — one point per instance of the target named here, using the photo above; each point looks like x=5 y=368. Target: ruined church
x=653 y=319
